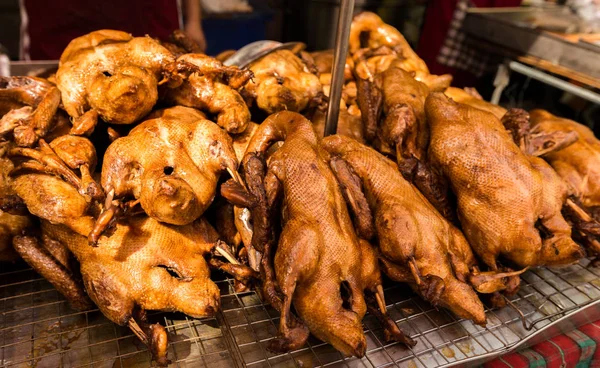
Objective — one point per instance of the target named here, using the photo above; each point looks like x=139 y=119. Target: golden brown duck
x=318 y=252
x=411 y=233
x=212 y=87
x=146 y=265
x=283 y=82
x=578 y=164
x=349 y=125
x=369 y=31
x=55 y=181
x=469 y=96
x=10 y=225
x=403 y=131
x=28 y=109
x=509 y=203
x=112 y=73
x=170 y=164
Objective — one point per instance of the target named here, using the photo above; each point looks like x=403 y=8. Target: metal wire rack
x=39 y=329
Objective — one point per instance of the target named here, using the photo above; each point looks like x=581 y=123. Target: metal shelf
x=38 y=328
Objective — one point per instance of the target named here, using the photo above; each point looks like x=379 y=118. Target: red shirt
x=53 y=24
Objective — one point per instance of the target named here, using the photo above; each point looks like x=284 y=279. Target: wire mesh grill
x=38 y=328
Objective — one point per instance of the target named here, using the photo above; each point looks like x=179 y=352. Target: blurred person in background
x=48 y=27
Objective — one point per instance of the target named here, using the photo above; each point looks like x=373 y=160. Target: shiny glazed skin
x=318 y=248
x=409 y=227
x=129 y=268
x=461 y=96
x=578 y=164
x=382 y=35
x=502 y=193
x=282 y=82
x=170 y=163
x=115 y=77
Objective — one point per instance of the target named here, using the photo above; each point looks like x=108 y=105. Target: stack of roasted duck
x=425 y=183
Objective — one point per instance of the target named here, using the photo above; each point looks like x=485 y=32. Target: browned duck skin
x=374 y=297
x=16 y=92
x=14 y=217
x=538 y=142
x=578 y=164
x=532 y=141
x=308 y=273
x=205 y=93
x=404 y=129
x=159 y=267
x=60 y=158
x=176 y=180
x=113 y=73
x=410 y=231
x=283 y=82
x=469 y=96
x=521 y=220
x=28 y=125
x=369 y=31
x=41 y=255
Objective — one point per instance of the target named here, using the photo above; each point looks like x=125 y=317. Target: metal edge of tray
x=567 y=323
x=533 y=42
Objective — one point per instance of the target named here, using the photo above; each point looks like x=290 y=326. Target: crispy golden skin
x=213 y=88
x=509 y=203
x=463 y=96
x=145 y=264
x=283 y=82
x=578 y=164
x=410 y=231
x=385 y=39
x=148 y=264
x=113 y=74
x=171 y=163
x=318 y=250
x=10 y=225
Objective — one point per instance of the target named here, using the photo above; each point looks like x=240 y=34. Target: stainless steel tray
x=39 y=329
x=517 y=30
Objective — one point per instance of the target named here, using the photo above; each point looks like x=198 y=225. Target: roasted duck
x=403 y=131
x=212 y=87
x=283 y=82
x=28 y=110
x=174 y=181
x=11 y=225
x=579 y=163
x=417 y=245
x=368 y=31
x=509 y=203
x=146 y=265
x=318 y=256
x=471 y=97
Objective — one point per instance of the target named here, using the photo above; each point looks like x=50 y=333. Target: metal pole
x=339 y=63
x=555 y=82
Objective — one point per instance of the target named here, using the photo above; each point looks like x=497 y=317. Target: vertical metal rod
x=339 y=63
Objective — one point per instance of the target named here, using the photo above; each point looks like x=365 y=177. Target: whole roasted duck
x=417 y=245
x=318 y=257
x=170 y=163
x=509 y=203
x=577 y=164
